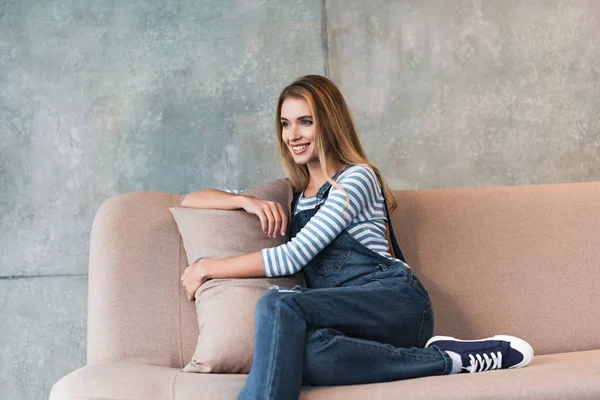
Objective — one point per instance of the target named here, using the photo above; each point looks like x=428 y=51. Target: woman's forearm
x=246 y=266
x=214 y=199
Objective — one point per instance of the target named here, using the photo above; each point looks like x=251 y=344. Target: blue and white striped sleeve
x=362 y=186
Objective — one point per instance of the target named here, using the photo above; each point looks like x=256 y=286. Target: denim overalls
x=364 y=318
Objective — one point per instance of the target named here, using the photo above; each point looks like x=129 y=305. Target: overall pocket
x=418 y=287
x=389 y=275
x=332 y=258
x=426 y=328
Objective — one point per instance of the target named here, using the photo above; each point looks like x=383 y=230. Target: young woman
x=365 y=317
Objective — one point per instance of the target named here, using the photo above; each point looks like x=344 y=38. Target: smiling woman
x=356 y=292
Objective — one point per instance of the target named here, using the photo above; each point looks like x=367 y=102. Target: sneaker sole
x=515 y=342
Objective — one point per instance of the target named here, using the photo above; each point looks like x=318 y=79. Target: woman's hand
x=193 y=277
x=271 y=214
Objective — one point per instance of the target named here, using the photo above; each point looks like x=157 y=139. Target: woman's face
x=298 y=130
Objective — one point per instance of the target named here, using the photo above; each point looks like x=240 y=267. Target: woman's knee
x=267 y=301
x=273 y=298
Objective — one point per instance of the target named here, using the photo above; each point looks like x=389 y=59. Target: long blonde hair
x=336 y=134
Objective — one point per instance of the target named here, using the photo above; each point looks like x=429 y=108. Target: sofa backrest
x=514 y=260
x=520 y=260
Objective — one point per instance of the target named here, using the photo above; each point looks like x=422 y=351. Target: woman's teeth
x=299 y=149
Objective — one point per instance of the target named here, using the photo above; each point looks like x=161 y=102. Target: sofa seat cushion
x=129 y=381
x=549 y=377
x=555 y=376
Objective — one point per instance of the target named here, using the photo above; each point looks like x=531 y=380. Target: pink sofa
x=522 y=260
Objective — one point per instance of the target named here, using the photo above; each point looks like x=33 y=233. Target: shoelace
x=484 y=363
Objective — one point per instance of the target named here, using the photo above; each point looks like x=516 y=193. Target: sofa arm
x=137 y=308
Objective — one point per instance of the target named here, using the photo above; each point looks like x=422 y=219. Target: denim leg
x=279 y=336
x=349 y=327
x=332 y=358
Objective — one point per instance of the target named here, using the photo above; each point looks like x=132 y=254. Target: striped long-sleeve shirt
x=364 y=219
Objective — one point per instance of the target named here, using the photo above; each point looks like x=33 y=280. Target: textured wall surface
x=472 y=92
x=100 y=97
x=43 y=327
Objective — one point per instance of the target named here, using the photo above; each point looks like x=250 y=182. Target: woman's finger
x=264 y=224
x=270 y=219
x=283 y=219
x=276 y=219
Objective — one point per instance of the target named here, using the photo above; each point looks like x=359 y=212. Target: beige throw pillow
x=225 y=307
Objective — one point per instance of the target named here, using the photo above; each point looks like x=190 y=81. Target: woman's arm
x=362 y=186
x=215 y=199
x=246 y=266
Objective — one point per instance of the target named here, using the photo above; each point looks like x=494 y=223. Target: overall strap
x=321 y=194
x=324 y=191
x=294 y=204
x=397 y=252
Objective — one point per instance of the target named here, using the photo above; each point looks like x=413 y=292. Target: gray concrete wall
x=454 y=93
x=100 y=97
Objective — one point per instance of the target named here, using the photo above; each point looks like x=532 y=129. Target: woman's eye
x=306 y=122
x=284 y=124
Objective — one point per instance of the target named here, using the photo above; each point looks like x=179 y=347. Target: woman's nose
x=295 y=133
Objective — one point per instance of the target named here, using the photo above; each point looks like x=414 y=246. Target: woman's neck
x=317 y=179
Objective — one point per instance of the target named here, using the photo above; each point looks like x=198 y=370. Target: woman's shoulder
x=360 y=170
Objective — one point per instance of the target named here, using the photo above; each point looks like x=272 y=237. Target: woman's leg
x=369 y=315
x=332 y=358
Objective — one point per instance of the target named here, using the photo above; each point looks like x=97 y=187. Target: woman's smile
x=300 y=149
